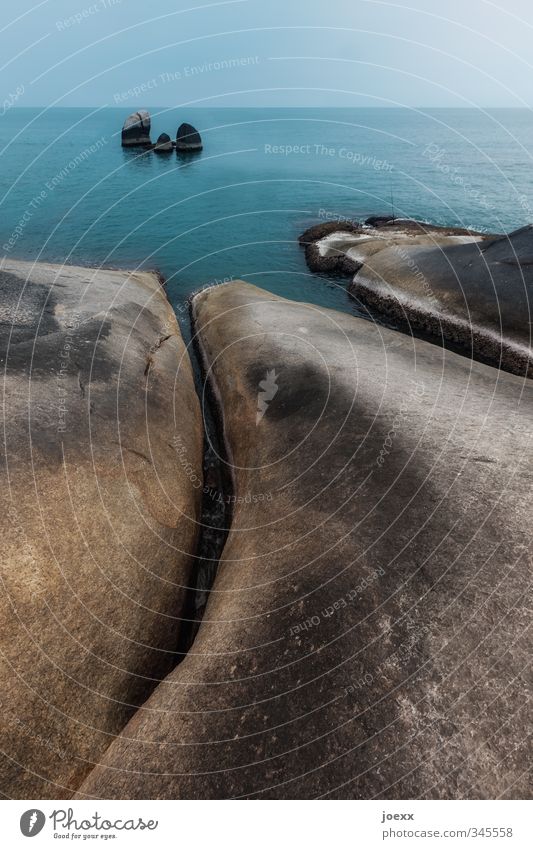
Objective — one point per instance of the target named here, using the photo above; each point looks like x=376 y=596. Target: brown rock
x=366 y=636
x=99 y=520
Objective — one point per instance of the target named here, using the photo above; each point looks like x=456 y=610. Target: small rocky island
x=136 y=133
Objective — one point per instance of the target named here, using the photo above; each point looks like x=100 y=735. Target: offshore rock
x=136 y=129
x=188 y=139
x=163 y=144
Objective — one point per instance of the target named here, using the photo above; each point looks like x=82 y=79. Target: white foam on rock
x=347 y=242
x=340 y=240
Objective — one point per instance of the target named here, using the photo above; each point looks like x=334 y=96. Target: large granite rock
x=136 y=129
x=98 y=517
x=477 y=296
x=188 y=139
x=366 y=635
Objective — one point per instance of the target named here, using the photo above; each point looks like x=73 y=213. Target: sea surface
x=70 y=193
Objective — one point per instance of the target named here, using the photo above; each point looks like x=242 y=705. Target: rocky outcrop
x=136 y=129
x=320 y=231
x=380 y=220
x=335 y=261
x=188 y=139
x=477 y=296
x=99 y=518
x=366 y=632
x=468 y=290
x=164 y=144
x=340 y=247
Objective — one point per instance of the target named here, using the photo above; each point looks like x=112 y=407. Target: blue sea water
x=70 y=193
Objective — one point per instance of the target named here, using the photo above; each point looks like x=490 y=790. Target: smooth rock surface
x=98 y=518
x=366 y=636
x=478 y=296
x=136 y=129
x=188 y=139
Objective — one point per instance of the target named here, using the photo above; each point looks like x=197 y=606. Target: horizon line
x=271 y=106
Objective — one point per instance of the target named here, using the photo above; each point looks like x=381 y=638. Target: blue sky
x=267 y=53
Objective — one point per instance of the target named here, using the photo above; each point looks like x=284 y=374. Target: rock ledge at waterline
x=467 y=289
x=99 y=523
x=340 y=247
x=366 y=636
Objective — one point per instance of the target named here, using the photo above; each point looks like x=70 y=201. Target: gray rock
x=136 y=129
x=99 y=519
x=366 y=636
x=340 y=248
x=477 y=296
x=164 y=144
x=380 y=220
x=188 y=139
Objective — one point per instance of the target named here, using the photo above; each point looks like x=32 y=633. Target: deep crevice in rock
x=216 y=512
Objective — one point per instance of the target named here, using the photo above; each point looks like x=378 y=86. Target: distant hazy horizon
x=156 y=107
x=245 y=53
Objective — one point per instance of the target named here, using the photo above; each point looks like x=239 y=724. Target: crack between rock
x=216 y=511
x=153 y=349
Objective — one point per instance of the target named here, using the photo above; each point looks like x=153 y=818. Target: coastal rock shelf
x=463 y=288
x=365 y=636
x=99 y=521
x=341 y=247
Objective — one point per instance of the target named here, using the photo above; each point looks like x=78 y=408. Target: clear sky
x=267 y=52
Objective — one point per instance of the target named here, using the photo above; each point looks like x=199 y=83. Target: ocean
x=70 y=193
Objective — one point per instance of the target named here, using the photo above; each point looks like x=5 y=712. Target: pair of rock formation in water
x=136 y=133
x=366 y=633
